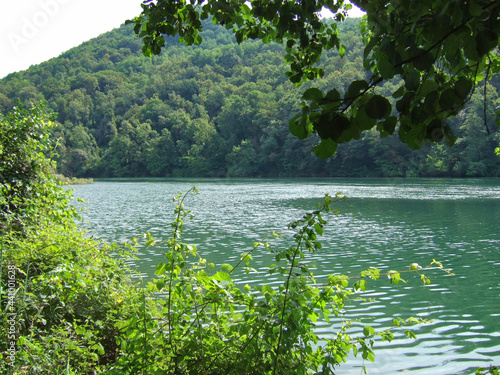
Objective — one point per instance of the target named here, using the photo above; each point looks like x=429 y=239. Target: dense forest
x=222 y=109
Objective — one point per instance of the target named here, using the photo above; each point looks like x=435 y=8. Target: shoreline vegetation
x=73 y=180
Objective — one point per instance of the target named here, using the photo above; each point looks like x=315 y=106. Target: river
x=385 y=223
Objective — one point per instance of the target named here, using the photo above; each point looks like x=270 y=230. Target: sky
x=33 y=31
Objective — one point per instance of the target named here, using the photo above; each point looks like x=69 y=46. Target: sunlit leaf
x=325 y=148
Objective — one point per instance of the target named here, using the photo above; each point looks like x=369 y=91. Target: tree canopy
x=441 y=51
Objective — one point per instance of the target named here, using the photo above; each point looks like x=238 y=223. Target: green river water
x=387 y=223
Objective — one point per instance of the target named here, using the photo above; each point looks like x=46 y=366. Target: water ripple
x=388 y=224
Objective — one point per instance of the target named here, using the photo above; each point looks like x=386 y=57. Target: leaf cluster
x=207 y=323
x=62 y=291
x=440 y=50
x=27 y=187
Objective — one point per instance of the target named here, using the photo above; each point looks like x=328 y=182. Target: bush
x=64 y=292
x=29 y=197
x=69 y=294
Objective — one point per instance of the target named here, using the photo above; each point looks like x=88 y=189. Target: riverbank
x=73 y=180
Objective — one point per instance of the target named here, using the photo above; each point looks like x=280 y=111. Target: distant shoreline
x=73 y=180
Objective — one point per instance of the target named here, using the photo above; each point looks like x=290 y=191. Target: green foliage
x=61 y=292
x=493 y=370
x=73 y=181
x=183 y=112
x=28 y=193
x=439 y=53
x=69 y=293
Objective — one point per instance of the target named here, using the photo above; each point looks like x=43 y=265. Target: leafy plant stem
x=287 y=288
x=145 y=350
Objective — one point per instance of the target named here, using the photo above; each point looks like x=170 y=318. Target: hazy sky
x=33 y=31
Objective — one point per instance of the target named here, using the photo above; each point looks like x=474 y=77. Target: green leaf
x=160 y=283
x=448 y=99
x=342 y=50
x=325 y=148
x=410 y=334
x=475 y=9
x=428 y=86
x=435 y=131
x=313 y=94
x=350 y=132
x=331 y=125
x=423 y=61
x=386 y=68
x=331 y=101
x=412 y=81
x=222 y=276
x=462 y=88
x=390 y=124
x=197 y=39
x=160 y=269
x=363 y=121
x=399 y=92
x=486 y=40
x=333 y=95
x=318 y=228
x=356 y=88
x=431 y=101
x=267 y=289
x=300 y=126
x=226 y=267
x=378 y=107
x=368 y=331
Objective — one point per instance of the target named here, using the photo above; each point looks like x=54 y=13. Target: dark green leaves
x=313 y=94
x=440 y=51
x=331 y=125
x=412 y=81
x=341 y=119
x=462 y=88
x=448 y=100
x=486 y=40
x=423 y=60
x=356 y=89
x=386 y=68
x=378 y=107
x=300 y=126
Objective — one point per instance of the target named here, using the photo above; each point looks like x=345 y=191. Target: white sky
x=33 y=31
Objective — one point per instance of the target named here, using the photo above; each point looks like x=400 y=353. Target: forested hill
x=221 y=109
